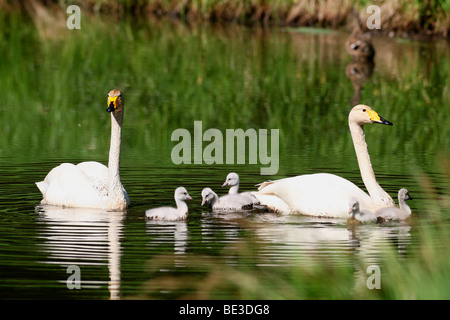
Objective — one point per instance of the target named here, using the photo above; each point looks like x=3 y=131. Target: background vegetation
x=405 y=17
x=54 y=84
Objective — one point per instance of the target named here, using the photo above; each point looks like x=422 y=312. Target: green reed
x=230 y=78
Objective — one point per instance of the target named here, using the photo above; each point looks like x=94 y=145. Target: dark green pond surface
x=53 y=110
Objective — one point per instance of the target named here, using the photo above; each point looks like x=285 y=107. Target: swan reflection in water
x=320 y=242
x=306 y=241
x=84 y=237
x=162 y=232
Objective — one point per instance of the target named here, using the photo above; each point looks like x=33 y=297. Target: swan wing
x=366 y=217
x=95 y=171
x=98 y=173
x=164 y=213
x=68 y=185
x=233 y=202
x=249 y=195
x=392 y=213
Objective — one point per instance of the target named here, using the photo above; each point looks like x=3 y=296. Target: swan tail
x=42 y=186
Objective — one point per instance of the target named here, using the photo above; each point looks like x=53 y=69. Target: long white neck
x=214 y=200
x=404 y=206
x=181 y=207
x=234 y=189
x=379 y=196
x=115 y=190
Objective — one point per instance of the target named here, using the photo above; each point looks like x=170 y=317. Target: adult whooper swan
x=328 y=195
x=91 y=184
x=227 y=202
x=403 y=212
x=169 y=213
x=232 y=180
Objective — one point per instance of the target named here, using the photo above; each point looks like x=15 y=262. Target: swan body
x=91 y=184
x=358 y=216
x=169 y=213
x=232 y=180
x=304 y=194
x=403 y=212
x=227 y=202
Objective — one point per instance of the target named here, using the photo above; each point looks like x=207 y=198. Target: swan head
x=232 y=179
x=403 y=194
x=115 y=101
x=207 y=195
x=353 y=206
x=182 y=194
x=362 y=114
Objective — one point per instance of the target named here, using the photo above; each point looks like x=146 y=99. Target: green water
x=52 y=109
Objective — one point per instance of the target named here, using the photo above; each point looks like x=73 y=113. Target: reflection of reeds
x=410 y=16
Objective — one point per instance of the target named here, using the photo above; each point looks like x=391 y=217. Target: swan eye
x=364 y=110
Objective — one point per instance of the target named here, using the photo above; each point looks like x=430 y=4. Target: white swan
x=91 y=184
x=305 y=194
x=232 y=180
x=169 y=213
x=394 y=213
x=356 y=215
x=228 y=202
